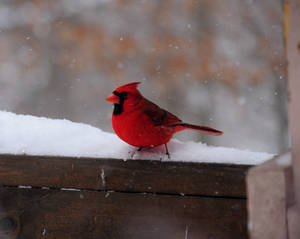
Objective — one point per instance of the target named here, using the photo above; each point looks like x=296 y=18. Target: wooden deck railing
x=62 y=197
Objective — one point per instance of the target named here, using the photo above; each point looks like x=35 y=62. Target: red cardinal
x=141 y=123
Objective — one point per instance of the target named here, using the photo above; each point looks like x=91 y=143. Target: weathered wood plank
x=127 y=176
x=37 y=213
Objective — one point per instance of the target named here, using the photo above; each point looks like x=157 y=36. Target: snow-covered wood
x=30 y=135
x=96 y=191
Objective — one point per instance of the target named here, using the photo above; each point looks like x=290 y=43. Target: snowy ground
x=25 y=134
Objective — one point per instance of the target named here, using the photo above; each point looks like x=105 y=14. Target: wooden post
x=293 y=52
x=294 y=89
x=272 y=212
x=269 y=195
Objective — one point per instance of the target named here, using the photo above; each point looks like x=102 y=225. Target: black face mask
x=118 y=108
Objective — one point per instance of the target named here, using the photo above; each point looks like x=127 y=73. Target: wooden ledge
x=147 y=199
x=203 y=179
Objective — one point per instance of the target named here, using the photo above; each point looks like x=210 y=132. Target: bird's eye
x=124 y=95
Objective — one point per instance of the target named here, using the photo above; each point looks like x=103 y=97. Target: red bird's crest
x=128 y=87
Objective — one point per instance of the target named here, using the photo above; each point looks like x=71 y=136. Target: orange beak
x=113 y=99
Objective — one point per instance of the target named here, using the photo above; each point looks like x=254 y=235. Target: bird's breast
x=137 y=129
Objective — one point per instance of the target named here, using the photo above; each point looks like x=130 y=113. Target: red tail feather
x=202 y=129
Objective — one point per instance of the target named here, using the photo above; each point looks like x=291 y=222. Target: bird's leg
x=138 y=150
x=167 y=151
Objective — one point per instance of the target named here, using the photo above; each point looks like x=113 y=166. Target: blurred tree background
x=218 y=63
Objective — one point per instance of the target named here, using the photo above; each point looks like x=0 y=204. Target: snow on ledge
x=31 y=135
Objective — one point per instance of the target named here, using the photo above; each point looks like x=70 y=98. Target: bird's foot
x=163 y=158
x=169 y=157
x=134 y=151
x=132 y=154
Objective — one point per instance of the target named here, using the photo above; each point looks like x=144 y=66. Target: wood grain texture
x=55 y=214
x=124 y=176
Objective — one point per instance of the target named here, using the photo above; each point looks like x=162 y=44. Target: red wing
x=158 y=115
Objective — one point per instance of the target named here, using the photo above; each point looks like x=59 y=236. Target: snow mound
x=25 y=134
